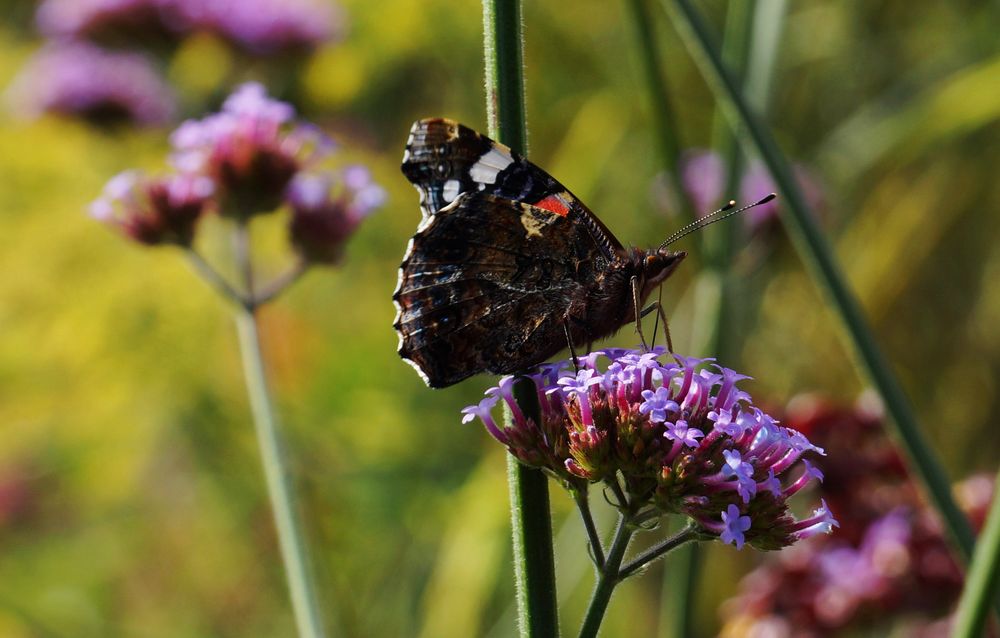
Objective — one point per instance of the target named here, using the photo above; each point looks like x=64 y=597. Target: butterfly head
x=657 y=265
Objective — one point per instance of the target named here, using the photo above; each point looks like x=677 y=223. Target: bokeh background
x=131 y=494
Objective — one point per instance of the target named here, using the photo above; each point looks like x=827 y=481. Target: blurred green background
x=131 y=495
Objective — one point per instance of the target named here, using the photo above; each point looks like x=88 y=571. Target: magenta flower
x=265 y=26
x=251 y=149
x=160 y=210
x=679 y=434
x=327 y=208
x=82 y=80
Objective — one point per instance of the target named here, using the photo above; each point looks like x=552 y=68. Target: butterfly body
x=506 y=263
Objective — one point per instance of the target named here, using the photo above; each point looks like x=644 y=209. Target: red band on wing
x=553 y=203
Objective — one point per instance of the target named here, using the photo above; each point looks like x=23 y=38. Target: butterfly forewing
x=486 y=285
x=444 y=159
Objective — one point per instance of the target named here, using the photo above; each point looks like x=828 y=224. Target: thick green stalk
x=531 y=519
x=983 y=575
x=818 y=257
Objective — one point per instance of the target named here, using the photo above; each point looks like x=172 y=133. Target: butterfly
x=507 y=266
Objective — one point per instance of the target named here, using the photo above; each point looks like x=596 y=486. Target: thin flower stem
x=531 y=519
x=214 y=279
x=983 y=576
x=282 y=282
x=607 y=579
x=583 y=504
x=616 y=487
x=686 y=535
x=818 y=257
x=291 y=539
x=241 y=251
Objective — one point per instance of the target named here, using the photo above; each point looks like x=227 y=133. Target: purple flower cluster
x=101 y=86
x=72 y=75
x=250 y=158
x=703 y=173
x=257 y=26
x=679 y=434
x=252 y=149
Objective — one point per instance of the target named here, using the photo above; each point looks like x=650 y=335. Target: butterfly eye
x=650 y=259
x=441 y=168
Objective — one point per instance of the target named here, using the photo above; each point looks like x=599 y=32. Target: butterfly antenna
x=717 y=216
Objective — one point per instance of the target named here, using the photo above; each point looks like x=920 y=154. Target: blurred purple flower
x=645 y=421
x=152 y=211
x=704 y=173
x=136 y=22
x=101 y=86
x=265 y=26
x=251 y=149
x=326 y=210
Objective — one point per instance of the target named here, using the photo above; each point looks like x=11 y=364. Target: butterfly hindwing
x=491 y=270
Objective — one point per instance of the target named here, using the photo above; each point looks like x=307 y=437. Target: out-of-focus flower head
x=327 y=208
x=154 y=210
x=890 y=564
x=265 y=26
x=682 y=436
x=256 y=26
x=251 y=150
x=703 y=173
x=82 y=80
x=110 y=22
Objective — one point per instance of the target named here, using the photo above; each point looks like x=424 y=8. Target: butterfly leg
x=662 y=315
x=636 y=303
x=569 y=342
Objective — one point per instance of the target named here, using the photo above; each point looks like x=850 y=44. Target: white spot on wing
x=485 y=170
x=450 y=191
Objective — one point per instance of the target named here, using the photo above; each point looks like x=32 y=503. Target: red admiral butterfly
x=507 y=267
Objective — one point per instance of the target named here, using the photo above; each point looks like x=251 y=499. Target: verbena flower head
x=82 y=80
x=110 y=22
x=679 y=432
x=265 y=26
x=327 y=208
x=154 y=210
x=251 y=149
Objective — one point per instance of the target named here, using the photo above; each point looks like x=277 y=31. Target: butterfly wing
x=486 y=284
x=444 y=159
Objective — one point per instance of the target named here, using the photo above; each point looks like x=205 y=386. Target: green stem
x=818 y=257
x=658 y=551
x=661 y=109
x=298 y=571
x=984 y=572
x=531 y=519
x=282 y=282
x=291 y=539
x=583 y=504
x=212 y=277
x=607 y=579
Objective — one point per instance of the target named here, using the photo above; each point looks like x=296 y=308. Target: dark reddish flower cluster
x=680 y=435
x=889 y=565
x=248 y=159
